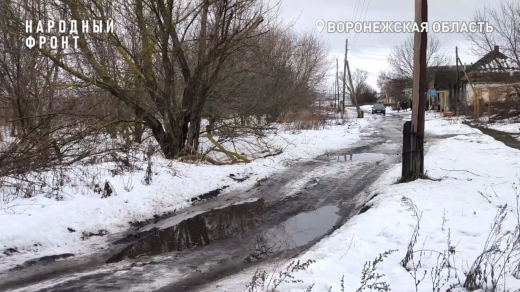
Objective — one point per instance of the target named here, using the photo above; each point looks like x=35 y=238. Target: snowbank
x=42 y=226
x=476 y=172
x=443 y=126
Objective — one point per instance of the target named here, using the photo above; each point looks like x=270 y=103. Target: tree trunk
x=138 y=132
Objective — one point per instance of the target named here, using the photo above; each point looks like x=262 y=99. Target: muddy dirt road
x=280 y=217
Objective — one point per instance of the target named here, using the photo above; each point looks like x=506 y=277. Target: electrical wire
x=356 y=6
x=364 y=17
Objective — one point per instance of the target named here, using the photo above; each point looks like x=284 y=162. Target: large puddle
x=295 y=232
x=199 y=229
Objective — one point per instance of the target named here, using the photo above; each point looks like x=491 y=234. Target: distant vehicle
x=379 y=108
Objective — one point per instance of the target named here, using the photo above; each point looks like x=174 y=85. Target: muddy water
x=200 y=230
x=216 y=224
x=295 y=232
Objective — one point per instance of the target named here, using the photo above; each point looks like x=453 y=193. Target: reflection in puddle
x=198 y=230
x=360 y=157
x=295 y=232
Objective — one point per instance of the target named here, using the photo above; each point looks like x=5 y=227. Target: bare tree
x=401 y=58
x=506 y=33
x=366 y=94
x=163 y=59
x=383 y=82
x=279 y=73
x=359 y=78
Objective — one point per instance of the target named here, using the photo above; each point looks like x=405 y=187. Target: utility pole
x=419 y=90
x=457 y=88
x=333 y=94
x=345 y=74
x=337 y=83
x=352 y=90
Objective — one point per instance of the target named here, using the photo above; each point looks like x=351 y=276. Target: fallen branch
x=231 y=155
x=193 y=157
x=273 y=154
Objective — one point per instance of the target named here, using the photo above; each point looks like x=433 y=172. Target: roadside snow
x=444 y=126
x=477 y=175
x=41 y=226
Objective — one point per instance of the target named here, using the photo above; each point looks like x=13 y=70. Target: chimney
x=496 y=49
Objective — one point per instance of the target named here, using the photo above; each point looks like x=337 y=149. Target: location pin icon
x=320 y=24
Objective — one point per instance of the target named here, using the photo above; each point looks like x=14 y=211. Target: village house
x=493 y=78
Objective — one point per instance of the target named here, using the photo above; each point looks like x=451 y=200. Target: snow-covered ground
x=436 y=125
x=477 y=176
x=41 y=226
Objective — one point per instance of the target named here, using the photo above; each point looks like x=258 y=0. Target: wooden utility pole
x=345 y=74
x=352 y=89
x=419 y=90
x=337 y=83
x=457 y=88
x=333 y=93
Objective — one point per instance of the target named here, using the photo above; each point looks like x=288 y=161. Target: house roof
x=495 y=62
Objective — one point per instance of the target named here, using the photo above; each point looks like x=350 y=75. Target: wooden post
x=407 y=149
x=337 y=83
x=353 y=93
x=445 y=102
x=478 y=106
x=419 y=89
x=345 y=74
x=492 y=93
x=334 y=93
x=457 y=87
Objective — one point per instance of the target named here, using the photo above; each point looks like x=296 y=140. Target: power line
x=362 y=7
x=364 y=17
x=365 y=71
x=359 y=1
x=367 y=58
x=360 y=52
x=356 y=6
x=372 y=46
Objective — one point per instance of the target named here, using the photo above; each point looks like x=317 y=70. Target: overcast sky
x=368 y=51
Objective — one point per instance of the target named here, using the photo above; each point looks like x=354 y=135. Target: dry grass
x=304 y=120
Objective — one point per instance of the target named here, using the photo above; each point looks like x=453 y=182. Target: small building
x=493 y=77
